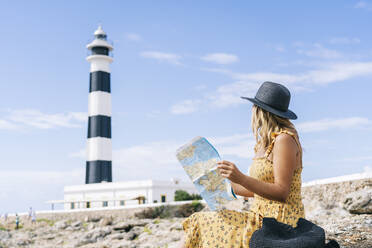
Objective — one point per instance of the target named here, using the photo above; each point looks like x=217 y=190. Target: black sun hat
x=275 y=98
x=275 y=234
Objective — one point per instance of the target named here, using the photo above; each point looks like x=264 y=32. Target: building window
x=87 y=204
x=105 y=203
x=72 y=206
x=122 y=203
x=155 y=201
x=141 y=200
x=163 y=198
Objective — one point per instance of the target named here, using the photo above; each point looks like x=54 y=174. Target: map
x=199 y=160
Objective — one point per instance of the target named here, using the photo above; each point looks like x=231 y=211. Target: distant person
x=33 y=218
x=17 y=221
x=6 y=217
x=30 y=213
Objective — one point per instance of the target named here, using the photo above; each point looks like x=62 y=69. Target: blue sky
x=179 y=70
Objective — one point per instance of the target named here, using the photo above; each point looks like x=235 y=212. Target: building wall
x=159 y=190
x=113 y=193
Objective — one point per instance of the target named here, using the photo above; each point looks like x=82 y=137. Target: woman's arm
x=240 y=190
x=284 y=164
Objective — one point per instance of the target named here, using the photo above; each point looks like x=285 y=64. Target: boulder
x=76 y=224
x=5 y=235
x=60 y=225
x=128 y=225
x=359 y=202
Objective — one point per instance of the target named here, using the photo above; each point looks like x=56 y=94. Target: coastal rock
x=92 y=218
x=76 y=224
x=5 y=235
x=359 y=202
x=128 y=225
x=106 y=221
x=60 y=225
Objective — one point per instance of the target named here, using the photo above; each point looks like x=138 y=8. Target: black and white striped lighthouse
x=99 y=148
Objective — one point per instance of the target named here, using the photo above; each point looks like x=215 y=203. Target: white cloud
x=367 y=169
x=158 y=158
x=344 y=40
x=153 y=114
x=7 y=125
x=21 y=189
x=44 y=177
x=185 y=107
x=220 y=58
x=200 y=87
x=360 y=4
x=162 y=57
x=318 y=51
x=280 y=48
x=133 y=37
x=356 y=159
x=246 y=84
x=80 y=154
x=329 y=123
x=363 y=5
x=230 y=94
x=239 y=145
x=37 y=119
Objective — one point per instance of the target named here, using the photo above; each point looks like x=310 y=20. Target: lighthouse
x=99 y=148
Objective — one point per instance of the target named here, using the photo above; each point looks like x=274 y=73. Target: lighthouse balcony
x=100 y=43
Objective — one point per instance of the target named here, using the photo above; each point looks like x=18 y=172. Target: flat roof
x=127 y=185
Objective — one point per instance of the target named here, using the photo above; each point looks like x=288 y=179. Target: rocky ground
x=344 y=210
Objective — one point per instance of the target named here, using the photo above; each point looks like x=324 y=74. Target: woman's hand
x=229 y=170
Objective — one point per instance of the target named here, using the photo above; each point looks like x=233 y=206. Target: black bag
x=275 y=234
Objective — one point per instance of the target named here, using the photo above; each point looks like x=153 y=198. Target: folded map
x=199 y=159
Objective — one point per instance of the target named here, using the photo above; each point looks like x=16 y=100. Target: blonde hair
x=264 y=123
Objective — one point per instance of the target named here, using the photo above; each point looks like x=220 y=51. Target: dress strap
x=273 y=136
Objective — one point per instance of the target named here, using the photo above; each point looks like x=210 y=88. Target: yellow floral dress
x=233 y=229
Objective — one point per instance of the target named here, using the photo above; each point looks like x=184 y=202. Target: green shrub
x=196 y=197
x=156 y=212
x=186 y=210
x=182 y=195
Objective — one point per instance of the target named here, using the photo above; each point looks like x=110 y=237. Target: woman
x=274 y=179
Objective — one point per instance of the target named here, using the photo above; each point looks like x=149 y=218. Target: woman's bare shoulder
x=285 y=141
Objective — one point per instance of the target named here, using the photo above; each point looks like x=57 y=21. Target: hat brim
x=285 y=114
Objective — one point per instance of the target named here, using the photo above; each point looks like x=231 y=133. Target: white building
x=119 y=194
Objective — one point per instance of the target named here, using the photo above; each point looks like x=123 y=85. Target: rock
x=106 y=221
x=93 y=236
x=99 y=233
x=92 y=218
x=124 y=244
x=118 y=236
x=60 y=225
x=91 y=226
x=23 y=242
x=76 y=224
x=176 y=226
x=127 y=226
x=134 y=233
x=5 y=235
x=49 y=237
x=359 y=202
